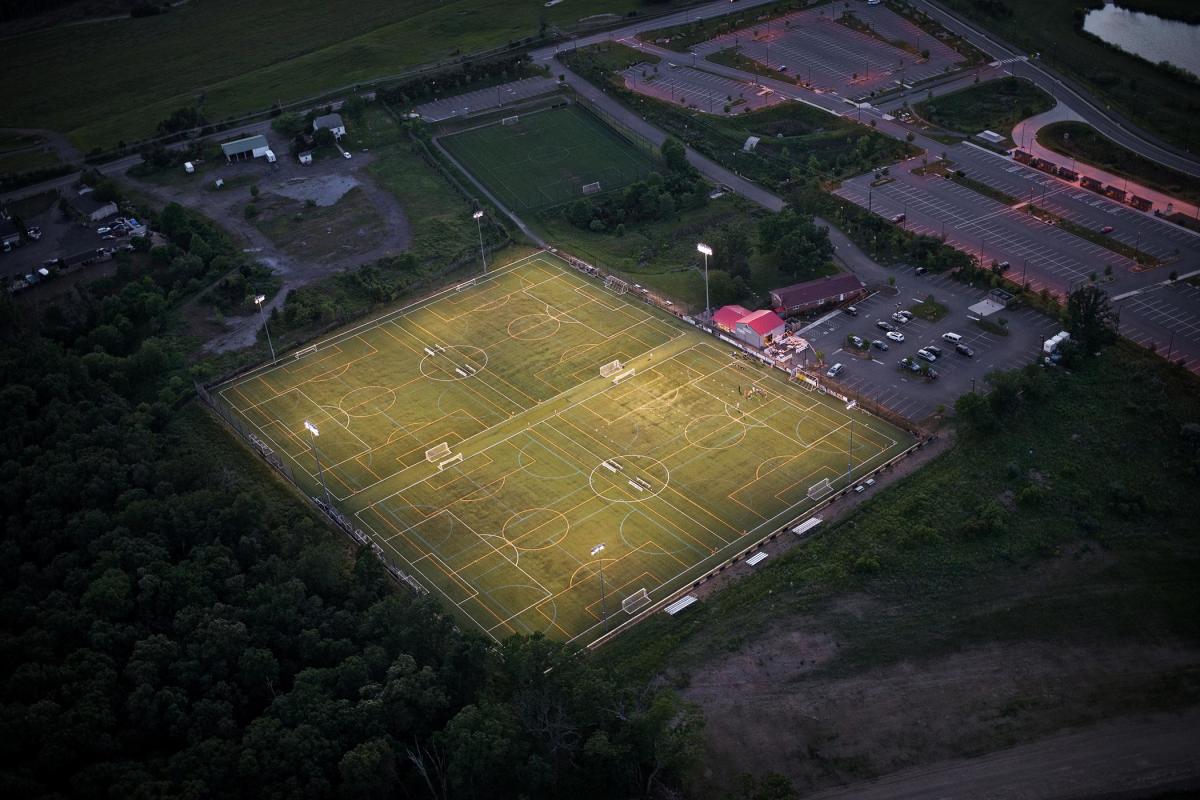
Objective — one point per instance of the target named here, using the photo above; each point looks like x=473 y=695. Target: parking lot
x=813 y=47
x=463 y=105
x=693 y=87
x=877 y=375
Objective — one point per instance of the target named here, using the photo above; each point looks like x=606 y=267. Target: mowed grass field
x=672 y=468
x=546 y=158
x=115 y=80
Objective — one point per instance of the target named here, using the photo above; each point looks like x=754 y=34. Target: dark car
x=885 y=326
x=962 y=349
x=879 y=344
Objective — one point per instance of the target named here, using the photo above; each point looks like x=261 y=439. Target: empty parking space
x=814 y=47
x=485 y=99
x=686 y=86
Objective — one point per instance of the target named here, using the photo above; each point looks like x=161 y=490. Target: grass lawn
x=929 y=309
x=547 y=157
x=1153 y=98
x=994 y=106
x=237 y=57
x=16 y=163
x=662 y=255
x=668 y=467
x=1084 y=143
x=1063 y=529
x=351 y=226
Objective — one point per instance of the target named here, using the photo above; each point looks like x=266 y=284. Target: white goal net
x=610 y=369
x=616 y=284
x=819 y=489
x=620 y=376
x=510 y=120
x=437 y=453
x=635 y=601
x=591 y=188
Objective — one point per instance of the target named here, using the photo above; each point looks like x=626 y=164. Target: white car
x=928 y=356
x=901 y=318
x=104 y=230
x=895 y=336
x=346 y=154
x=835 y=370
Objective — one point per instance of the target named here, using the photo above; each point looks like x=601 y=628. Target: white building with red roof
x=756 y=328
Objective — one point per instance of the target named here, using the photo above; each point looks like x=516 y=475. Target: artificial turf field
x=547 y=157
x=673 y=468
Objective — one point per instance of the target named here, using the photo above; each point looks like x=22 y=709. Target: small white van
x=952 y=338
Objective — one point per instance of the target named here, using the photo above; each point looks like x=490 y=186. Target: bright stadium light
x=314 y=433
x=707 y=251
x=477 y=216
x=597 y=550
x=259 y=299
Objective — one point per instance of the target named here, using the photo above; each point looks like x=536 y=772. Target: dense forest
x=177 y=623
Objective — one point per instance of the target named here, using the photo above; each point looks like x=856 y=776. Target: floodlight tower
x=478 y=215
x=258 y=301
x=597 y=550
x=707 y=251
x=850 y=455
x=313 y=433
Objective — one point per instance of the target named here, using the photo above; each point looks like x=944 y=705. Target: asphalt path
x=1102 y=119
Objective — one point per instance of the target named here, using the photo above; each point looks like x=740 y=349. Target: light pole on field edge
x=597 y=550
x=850 y=455
x=258 y=301
x=478 y=215
x=706 y=251
x=313 y=433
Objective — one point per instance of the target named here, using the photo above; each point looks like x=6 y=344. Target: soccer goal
x=637 y=600
x=437 y=453
x=591 y=188
x=819 y=489
x=616 y=284
x=454 y=459
x=513 y=120
x=629 y=373
x=610 y=369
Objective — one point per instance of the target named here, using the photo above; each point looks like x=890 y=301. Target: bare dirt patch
x=779 y=706
x=345 y=227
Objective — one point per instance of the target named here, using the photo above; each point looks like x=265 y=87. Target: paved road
x=1111 y=125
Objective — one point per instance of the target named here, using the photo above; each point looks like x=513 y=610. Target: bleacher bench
x=680 y=604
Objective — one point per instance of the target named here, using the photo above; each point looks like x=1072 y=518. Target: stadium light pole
x=478 y=215
x=850 y=455
x=258 y=301
x=597 y=550
x=707 y=251
x=313 y=433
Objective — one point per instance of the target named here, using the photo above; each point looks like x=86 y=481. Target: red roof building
x=727 y=317
x=806 y=296
x=757 y=328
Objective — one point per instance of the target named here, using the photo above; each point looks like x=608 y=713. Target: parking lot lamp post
x=258 y=301
x=478 y=215
x=313 y=433
x=870 y=200
x=597 y=550
x=706 y=251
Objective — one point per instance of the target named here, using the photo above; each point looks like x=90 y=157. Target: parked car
x=937 y=351
x=921 y=270
x=908 y=315
x=962 y=349
x=879 y=344
x=895 y=336
x=346 y=154
x=103 y=230
x=928 y=356
x=852 y=311
x=885 y=326
x=909 y=364
x=899 y=218
x=900 y=318
x=1107 y=229
x=835 y=370
x=857 y=341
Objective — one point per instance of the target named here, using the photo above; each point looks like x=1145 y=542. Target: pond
x=1153 y=38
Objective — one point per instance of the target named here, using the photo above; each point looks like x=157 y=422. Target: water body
x=1153 y=38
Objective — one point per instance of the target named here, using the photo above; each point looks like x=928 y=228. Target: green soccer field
x=473 y=437
x=547 y=157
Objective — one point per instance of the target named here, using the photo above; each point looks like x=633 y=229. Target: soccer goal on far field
x=610 y=369
x=819 y=489
x=437 y=453
x=513 y=120
x=635 y=601
x=620 y=376
x=616 y=284
x=591 y=188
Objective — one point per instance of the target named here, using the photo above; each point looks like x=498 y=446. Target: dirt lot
x=351 y=222
x=776 y=707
